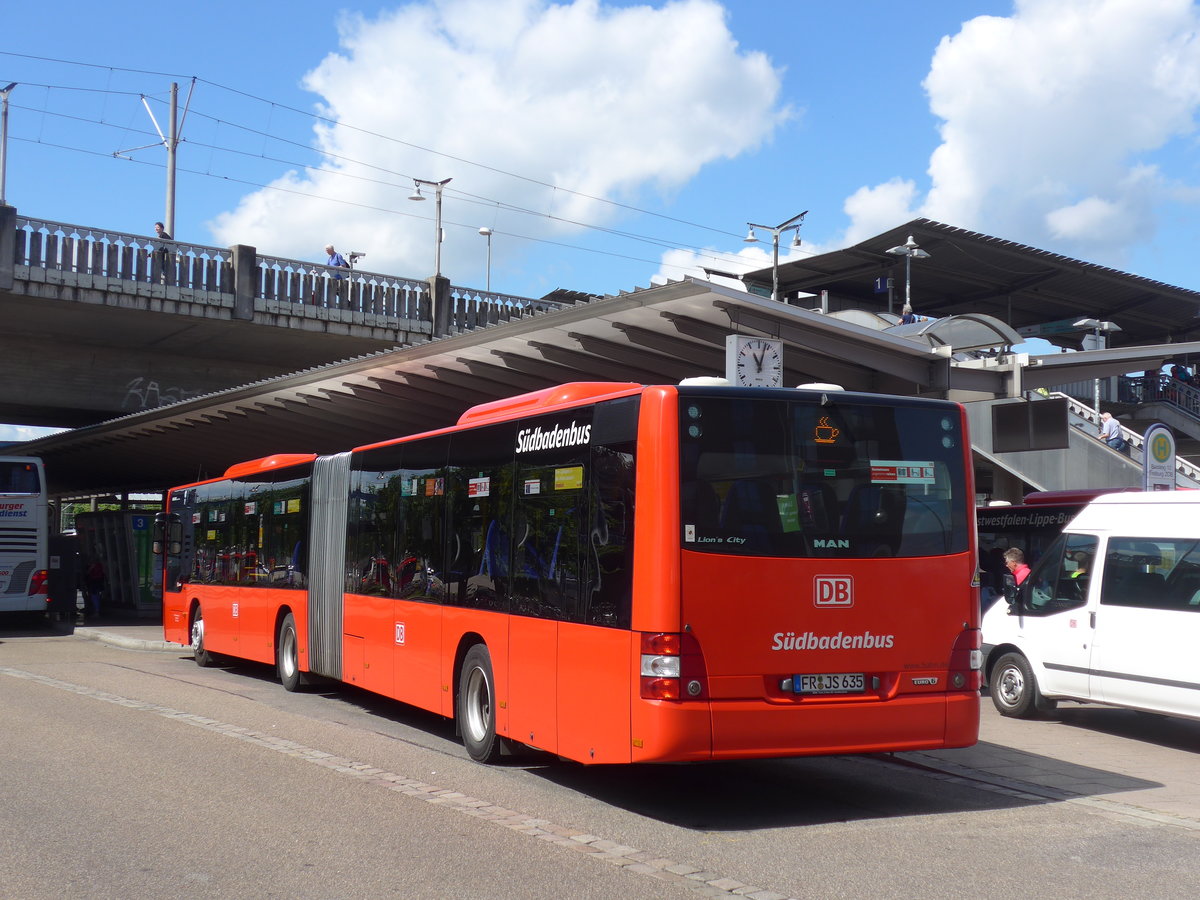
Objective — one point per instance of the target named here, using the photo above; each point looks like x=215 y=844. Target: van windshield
x=786 y=475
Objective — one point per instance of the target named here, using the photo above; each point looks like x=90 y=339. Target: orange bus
x=614 y=573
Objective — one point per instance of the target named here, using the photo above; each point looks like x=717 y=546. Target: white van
x=1110 y=613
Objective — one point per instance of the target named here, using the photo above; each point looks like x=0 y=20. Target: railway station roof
x=658 y=335
x=1037 y=292
x=979 y=288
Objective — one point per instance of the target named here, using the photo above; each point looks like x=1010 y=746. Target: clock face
x=758 y=363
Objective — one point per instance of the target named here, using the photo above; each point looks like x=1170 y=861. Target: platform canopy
x=1036 y=292
x=659 y=335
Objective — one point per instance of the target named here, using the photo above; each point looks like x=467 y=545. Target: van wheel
x=1014 y=688
x=203 y=658
x=476 y=713
x=287 y=655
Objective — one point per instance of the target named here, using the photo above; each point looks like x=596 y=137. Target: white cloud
x=1049 y=119
x=599 y=100
x=875 y=209
x=22 y=433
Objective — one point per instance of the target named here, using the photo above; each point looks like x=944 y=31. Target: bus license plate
x=829 y=683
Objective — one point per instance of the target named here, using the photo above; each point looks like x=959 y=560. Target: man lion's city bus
x=24 y=535
x=614 y=573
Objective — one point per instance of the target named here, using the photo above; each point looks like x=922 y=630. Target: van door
x=1055 y=622
x=1148 y=625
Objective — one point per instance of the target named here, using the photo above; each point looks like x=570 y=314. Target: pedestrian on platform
x=94 y=582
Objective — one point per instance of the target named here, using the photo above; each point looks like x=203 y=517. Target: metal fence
x=279 y=282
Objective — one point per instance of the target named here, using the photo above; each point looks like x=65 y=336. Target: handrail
x=1135 y=440
x=1163 y=389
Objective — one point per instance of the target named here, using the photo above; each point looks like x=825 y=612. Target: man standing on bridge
x=336 y=261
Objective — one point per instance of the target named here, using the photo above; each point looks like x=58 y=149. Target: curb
x=128 y=643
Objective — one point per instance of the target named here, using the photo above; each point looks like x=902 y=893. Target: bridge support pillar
x=8 y=245
x=245 y=269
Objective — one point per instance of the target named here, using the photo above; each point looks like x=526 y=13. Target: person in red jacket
x=1014 y=558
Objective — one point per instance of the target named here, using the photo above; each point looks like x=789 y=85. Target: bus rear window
x=19 y=478
x=795 y=478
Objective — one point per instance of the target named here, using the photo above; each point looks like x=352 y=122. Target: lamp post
x=1100 y=330
x=487 y=233
x=437 y=224
x=4 y=136
x=910 y=251
x=792 y=224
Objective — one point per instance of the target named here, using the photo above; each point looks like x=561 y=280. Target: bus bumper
x=749 y=729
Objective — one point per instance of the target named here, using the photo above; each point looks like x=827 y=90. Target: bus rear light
x=672 y=668
x=660 y=688
x=37 y=584
x=966 y=660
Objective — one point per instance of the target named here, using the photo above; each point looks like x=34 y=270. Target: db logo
x=833 y=590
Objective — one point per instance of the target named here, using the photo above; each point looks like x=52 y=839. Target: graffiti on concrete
x=141 y=393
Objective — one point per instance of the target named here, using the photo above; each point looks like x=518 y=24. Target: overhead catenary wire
x=703 y=253
x=390 y=210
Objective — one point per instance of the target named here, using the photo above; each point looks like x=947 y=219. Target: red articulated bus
x=614 y=573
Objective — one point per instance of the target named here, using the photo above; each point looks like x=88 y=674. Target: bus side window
x=609 y=575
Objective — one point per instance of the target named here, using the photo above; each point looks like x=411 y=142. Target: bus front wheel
x=476 y=712
x=1014 y=688
x=287 y=655
x=203 y=658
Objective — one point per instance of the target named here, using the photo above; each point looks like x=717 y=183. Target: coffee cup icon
x=826 y=433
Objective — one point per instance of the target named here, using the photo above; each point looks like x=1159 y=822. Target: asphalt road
x=135 y=774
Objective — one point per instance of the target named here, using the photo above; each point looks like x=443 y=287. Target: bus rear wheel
x=1014 y=688
x=287 y=655
x=203 y=658
x=476 y=713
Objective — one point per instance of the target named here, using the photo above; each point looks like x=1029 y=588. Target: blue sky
x=610 y=145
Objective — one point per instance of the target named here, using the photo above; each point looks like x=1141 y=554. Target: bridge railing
x=279 y=282
x=61 y=247
x=312 y=284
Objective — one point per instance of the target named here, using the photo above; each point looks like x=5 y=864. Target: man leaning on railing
x=162 y=253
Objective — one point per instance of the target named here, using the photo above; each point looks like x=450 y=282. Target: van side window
x=1060 y=581
x=1163 y=573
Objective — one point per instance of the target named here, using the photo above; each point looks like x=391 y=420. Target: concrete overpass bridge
x=177 y=359
x=99 y=324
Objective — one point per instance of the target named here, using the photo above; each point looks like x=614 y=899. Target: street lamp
x=4 y=135
x=437 y=235
x=487 y=233
x=1099 y=330
x=910 y=251
x=792 y=224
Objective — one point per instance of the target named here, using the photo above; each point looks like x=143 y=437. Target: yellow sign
x=568 y=479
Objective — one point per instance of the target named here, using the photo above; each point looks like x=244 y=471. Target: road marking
x=641 y=862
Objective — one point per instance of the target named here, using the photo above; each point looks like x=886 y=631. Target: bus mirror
x=167 y=532
x=160 y=527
